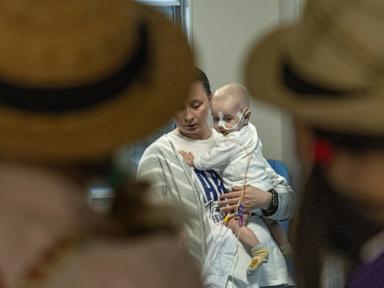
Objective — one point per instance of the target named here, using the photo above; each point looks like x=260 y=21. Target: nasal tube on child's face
x=222 y=124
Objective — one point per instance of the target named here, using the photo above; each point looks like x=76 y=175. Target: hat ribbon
x=305 y=88
x=69 y=99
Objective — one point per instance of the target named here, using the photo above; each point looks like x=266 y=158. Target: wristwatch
x=273 y=205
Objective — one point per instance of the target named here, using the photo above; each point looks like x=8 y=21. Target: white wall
x=222 y=33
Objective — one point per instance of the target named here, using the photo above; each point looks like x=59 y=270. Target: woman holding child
x=197 y=193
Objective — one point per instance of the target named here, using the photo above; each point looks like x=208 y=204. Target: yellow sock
x=259 y=256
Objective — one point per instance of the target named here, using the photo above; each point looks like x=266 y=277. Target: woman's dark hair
x=201 y=77
x=326 y=221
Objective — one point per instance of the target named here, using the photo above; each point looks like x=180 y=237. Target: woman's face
x=192 y=120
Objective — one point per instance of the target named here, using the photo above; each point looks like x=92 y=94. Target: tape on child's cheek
x=221 y=124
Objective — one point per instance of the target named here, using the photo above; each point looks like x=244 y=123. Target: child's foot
x=259 y=256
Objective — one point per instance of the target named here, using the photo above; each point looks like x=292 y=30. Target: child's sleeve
x=218 y=157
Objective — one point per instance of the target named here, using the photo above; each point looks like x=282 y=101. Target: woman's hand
x=253 y=198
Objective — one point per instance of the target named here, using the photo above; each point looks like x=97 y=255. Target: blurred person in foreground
x=327 y=70
x=78 y=79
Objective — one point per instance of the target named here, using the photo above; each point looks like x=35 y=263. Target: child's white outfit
x=232 y=154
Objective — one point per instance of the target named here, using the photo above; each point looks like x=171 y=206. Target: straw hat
x=328 y=69
x=79 y=78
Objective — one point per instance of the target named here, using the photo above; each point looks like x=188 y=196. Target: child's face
x=227 y=116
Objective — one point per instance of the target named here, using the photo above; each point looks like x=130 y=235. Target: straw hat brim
x=95 y=132
x=362 y=114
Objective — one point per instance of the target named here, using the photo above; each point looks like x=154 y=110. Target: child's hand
x=187 y=156
x=233 y=224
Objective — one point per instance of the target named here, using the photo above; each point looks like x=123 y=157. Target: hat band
x=304 y=88
x=69 y=99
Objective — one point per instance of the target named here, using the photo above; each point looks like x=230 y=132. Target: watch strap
x=273 y=205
